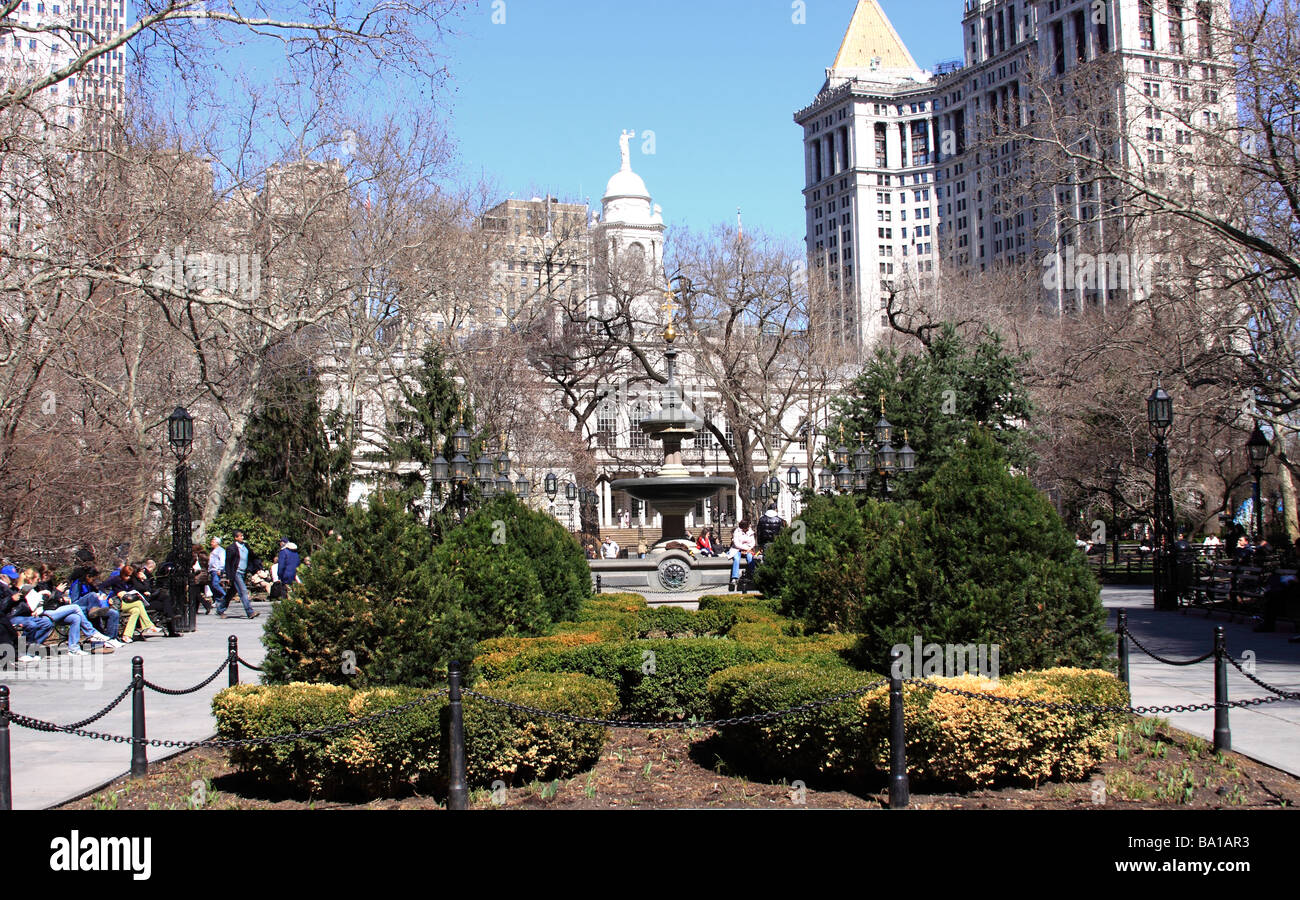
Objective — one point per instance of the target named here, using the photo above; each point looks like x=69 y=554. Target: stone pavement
x=1270 y=734
x=49 y=769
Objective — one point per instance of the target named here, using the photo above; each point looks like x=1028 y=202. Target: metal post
x=185 y=613
x=139 y=761
x=899 y=791
x=1114 y=524
x=1163 y=564
x=1258 y=508
x=6 y=779
x=1222 y=733
x=1121 y=632
x=599 y=586
x=458 y=790
x=232 y=660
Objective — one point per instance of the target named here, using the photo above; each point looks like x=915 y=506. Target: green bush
x=674 y=622
x=656 y=679
x=553 y=554
x=953 y=741
x=260 y=537
x=982 y=557
x=963 y=742
x=407 y=751
x=825 y=742
x=823 y=579
x=386 y=606
x=366 y=612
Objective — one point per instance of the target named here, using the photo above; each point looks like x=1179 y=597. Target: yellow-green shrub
x=965 y=742
x=407 y=751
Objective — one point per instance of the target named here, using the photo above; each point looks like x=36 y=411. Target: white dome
x=626 y=183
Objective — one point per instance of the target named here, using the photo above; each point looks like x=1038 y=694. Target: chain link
x=682 y=723
x=198 y=687
x=1168 y=662
x=1092 y=707
x=103 y=712
x=1284 y=695
x=248 y=665
x=38 y=725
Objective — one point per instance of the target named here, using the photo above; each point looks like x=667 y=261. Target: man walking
x=217 y=566
x=240 y=562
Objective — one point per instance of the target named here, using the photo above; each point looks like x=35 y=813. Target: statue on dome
x=624 y=150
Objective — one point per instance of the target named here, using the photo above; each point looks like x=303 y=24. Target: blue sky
x=537 y=103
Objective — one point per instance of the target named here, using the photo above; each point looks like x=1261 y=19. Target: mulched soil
x=1154 y=767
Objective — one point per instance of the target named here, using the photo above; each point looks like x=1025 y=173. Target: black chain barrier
x=198 y=687
x=1282 y=695
x=1092 y=707
x=1161 y=659
x=38 y=725
x=458 y=799
x=680 y=723
x=103 y=712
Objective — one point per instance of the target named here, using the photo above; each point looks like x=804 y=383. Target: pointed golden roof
x=871 y=36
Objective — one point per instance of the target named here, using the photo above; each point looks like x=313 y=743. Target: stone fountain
x=673 y=492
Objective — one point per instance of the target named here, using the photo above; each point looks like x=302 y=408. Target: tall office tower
x=541 y=250
x=1046 y=87
x=869 y=162
x=1019 y=144
x=40 y=37
x=37 y=38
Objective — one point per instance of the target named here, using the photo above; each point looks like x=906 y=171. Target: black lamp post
x=1160 y=417
x=180 y=436
x=1114 y=473
x=1257 y=450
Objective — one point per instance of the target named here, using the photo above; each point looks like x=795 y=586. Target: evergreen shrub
x=408 y=751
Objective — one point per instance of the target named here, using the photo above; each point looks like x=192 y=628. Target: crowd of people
x=133 y=602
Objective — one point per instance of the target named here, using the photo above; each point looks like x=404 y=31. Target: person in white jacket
x=743 y=542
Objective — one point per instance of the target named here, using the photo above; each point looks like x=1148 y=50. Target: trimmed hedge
x=952 y=741
x=406 y=752
x=827 y=742
x=965 y=743
x=673 y=622
x=656 y=679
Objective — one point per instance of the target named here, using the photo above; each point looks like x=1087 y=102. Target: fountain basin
x=673 y=498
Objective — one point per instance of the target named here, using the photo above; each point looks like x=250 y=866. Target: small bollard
x=599 y=585
x=1222 y=733
x=899 y=791
x=6 y=780
x=232 y=657
x=1121 y=633
x=139 y=761
x=458 y=790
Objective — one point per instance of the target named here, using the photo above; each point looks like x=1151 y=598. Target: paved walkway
x=1270 y=734
x=49 y=769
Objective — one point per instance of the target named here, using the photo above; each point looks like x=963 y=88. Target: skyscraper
x=1000 y=159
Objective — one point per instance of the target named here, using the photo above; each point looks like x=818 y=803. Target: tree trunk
x=1287 y=483
x=234 y=447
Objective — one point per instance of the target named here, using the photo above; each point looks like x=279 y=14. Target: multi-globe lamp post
x=491 y=475
x=1160 y=418
x=180 y=436
x=854 y=469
